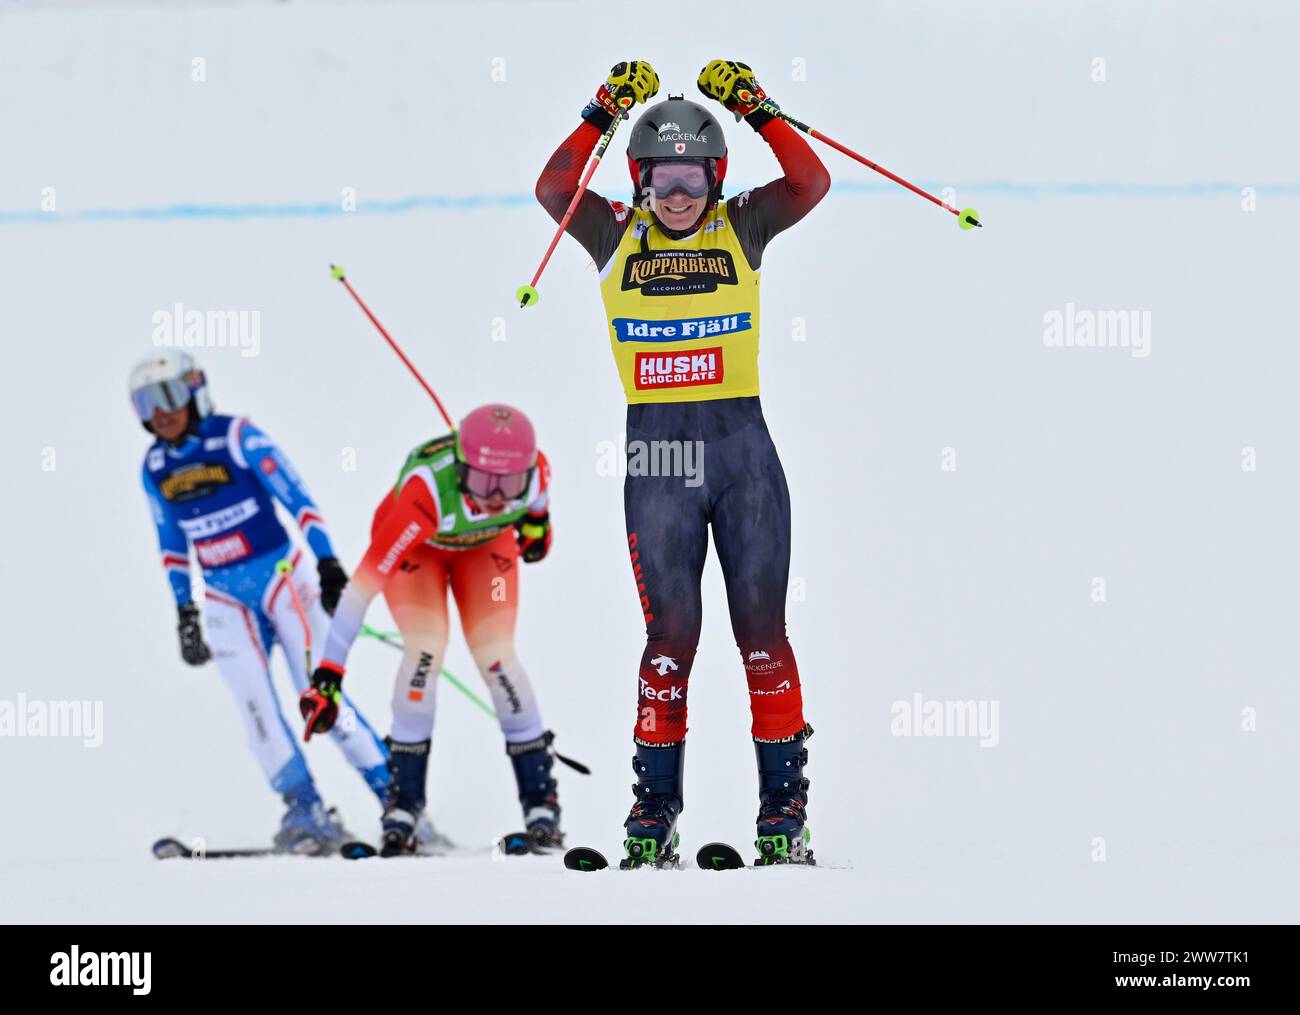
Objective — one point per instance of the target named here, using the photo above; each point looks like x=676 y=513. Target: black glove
x=319 y=704
x=194 y=649
x=724 y=80
x=533 y=533
x=630 y=82
x=333 y=580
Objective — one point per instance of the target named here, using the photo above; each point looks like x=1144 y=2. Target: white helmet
x=169 y=379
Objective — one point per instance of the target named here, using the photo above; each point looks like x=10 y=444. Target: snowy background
x=889 y=335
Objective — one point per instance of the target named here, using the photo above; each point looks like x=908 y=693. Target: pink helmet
x=498 y=439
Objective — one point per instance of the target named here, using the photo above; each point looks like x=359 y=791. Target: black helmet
x=677 y=128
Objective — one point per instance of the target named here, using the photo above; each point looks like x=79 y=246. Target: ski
x=773 y=850
x=364 y=851
x=357 y=850
x=525 y=844
x=584 y=858
x=718 y=856
x=515 y=844
x=172 y=849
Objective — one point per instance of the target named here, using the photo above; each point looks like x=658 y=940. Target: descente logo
x=102 y=969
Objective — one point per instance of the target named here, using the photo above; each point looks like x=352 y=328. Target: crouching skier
x=466 y=508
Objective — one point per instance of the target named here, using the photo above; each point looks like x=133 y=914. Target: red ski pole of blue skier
x=285 y=569
x=967 y=218
x=337 y=272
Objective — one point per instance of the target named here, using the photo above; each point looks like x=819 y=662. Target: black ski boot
x=538 y=794
x=409 y=765
x=652 y=823
x=783 y=834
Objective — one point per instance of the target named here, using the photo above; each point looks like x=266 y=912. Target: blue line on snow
x=474 y=202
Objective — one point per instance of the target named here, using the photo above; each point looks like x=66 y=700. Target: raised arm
x=597 y=223
x=758 y=215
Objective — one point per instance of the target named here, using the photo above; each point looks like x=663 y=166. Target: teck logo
x=667 y=694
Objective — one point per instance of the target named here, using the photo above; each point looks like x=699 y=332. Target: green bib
x=459 y=525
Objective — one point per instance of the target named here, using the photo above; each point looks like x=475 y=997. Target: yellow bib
x=683 y=314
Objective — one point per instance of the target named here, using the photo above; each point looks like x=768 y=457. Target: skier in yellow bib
x=679 y=277
x=683 y=311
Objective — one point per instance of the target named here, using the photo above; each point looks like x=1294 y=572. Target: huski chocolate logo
x=678 y=272
x=678 y=370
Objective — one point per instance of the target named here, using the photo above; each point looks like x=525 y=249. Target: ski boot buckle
x=645 y=853
x=774 y=849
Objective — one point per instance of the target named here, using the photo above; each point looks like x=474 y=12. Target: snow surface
x=1120 y=720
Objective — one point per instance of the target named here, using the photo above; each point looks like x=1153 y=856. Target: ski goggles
x=510 y=485
x=167 y=395
x=692 y=178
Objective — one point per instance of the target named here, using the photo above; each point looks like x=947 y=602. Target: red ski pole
x=337 y=272
x=966 y=218
x=527 y=294
x=284 y=568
